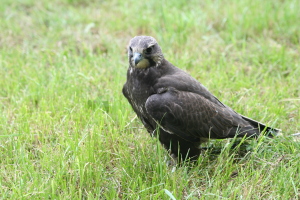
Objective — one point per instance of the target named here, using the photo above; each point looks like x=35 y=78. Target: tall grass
x=66 y=131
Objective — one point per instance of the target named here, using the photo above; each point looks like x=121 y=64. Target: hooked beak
x=137 y=57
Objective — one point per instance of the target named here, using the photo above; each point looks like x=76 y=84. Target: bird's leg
x=173 y=161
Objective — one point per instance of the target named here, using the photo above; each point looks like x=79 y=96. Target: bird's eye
x=148 y=50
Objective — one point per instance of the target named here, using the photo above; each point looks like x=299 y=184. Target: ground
x=66 y=131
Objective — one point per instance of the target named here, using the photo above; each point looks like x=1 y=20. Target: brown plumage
x=183 y=112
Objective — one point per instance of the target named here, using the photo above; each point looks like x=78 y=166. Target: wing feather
x=190 y=115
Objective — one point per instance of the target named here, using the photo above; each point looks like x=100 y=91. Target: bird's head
x=144 y=52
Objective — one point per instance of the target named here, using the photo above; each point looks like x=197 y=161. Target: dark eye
x=130 y=50
x=148 y=50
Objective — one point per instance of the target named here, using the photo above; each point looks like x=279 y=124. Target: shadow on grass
x=237 y=150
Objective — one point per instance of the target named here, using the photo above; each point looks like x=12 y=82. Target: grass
x=66 y=131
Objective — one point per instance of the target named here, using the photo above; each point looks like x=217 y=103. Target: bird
x=175 y=107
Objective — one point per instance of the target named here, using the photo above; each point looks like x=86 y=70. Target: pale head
x=144 y=52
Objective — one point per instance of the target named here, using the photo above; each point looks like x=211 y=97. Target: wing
x=182 y=81
x=188 y=114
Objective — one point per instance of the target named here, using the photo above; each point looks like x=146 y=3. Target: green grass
x=66 y=131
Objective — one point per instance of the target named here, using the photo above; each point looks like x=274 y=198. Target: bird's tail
x=269 y=131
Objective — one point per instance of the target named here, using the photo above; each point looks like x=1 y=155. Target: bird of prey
x=177 y=107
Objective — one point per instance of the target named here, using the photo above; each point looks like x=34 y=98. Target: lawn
x=67 y=132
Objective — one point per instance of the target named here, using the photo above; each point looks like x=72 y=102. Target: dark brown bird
x=173 y=104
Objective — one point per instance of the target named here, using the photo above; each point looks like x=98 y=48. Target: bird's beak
x=137 y=57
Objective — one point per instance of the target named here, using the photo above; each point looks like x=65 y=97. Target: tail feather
x=269 y=131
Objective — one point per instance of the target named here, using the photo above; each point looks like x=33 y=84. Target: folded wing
x=190 y=115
